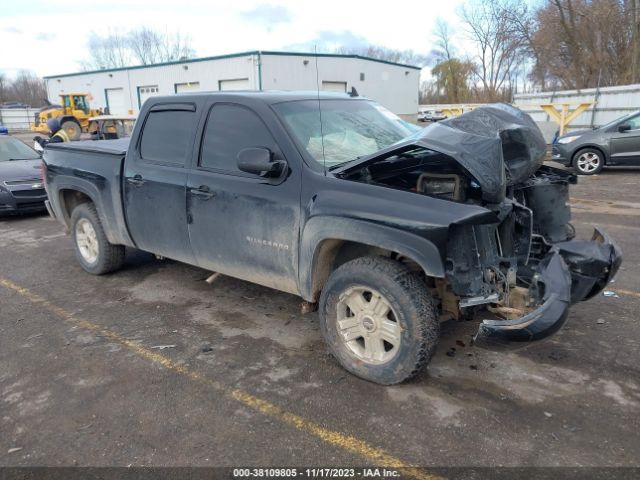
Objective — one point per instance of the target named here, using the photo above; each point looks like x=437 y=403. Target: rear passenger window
x=231 y=128
x=167 y=136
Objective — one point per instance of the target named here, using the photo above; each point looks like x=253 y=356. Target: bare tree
x=3 y=87
x=142 y=46
x=25 y=88
x=585 y=43
x=451 y=74
x=498 y=40
x=149 y=46
x=409 y=57
x=110 y=51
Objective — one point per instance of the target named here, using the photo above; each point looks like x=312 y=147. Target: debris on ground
x=610 y=293
x=162 y=347
x=14 y=449
x=548 y=414
x=451 y=352
x=600 y=321
x=207 y=349
x=212 y=278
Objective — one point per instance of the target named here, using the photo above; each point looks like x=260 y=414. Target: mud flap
x=554 y=278
x=592 y=263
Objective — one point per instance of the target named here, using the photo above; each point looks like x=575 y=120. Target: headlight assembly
x=568 y=139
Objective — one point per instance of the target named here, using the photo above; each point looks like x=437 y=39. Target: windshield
x=13 y=149
x=350 y=129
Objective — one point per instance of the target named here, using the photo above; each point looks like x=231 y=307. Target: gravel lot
x=153 y=366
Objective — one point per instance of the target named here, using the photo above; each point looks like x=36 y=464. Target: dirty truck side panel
x=155 y=175
x=244 y=225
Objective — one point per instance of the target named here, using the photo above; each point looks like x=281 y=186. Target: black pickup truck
x=333 y=198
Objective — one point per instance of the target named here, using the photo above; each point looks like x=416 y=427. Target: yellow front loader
x=73 y=112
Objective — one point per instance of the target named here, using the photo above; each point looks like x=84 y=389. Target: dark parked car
x=390 y=231
x=21 y=185
x=588 y=151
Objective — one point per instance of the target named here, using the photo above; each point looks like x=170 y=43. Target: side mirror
x=625 y=127
x=259 y=161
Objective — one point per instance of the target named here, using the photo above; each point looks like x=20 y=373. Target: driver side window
x=634 y=122
x=230 y=129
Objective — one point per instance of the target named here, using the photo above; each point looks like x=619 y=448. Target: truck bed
x=111 y=147
x=94 y=168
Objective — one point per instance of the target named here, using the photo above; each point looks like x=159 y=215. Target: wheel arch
x=328 y=242
x=69 y=200
x=69 y=197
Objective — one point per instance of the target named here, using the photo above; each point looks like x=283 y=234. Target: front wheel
x=588 y=161
x=94 y=252
x=378 y=320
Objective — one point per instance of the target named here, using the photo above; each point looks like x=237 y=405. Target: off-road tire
x=110 y=257
x=72 y=129
x=412 y=305
x=592 y=152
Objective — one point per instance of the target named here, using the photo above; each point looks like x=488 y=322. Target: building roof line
x=232 y=55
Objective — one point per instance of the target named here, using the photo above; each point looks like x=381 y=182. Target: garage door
x=146 y=92
x=234 y=84
x=187 y=87
x=334 y=86
x=115 y=101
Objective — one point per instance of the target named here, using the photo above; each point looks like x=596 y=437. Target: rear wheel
x=72 y=129
x=378 y=319
x=588 y=161
x=94 y=252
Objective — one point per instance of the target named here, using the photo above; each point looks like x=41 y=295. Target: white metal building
x=124 y=90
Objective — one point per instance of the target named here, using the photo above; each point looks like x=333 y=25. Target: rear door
x=625 y=146
x=155 y=181
x=242 y=224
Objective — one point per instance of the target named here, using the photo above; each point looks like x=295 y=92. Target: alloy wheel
x=368 y=326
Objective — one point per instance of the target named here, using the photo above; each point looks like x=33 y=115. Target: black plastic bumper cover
x=572 y=271
x=543 y=321
x=592 y=263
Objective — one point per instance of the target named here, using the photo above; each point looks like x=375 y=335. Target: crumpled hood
x=497 y=144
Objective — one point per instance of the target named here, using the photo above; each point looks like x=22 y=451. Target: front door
x=625 y=146
x=155 y=180
x=241 y=224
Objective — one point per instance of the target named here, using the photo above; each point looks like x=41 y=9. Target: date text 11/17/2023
x=315 y=472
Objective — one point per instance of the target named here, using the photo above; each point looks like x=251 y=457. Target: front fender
x=321 y=228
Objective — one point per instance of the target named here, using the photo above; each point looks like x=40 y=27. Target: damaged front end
x=522 y=271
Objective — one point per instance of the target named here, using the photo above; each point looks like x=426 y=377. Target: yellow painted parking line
x=627 y=293
x=349 y=443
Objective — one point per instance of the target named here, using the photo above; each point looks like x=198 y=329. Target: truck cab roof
x=267 y=96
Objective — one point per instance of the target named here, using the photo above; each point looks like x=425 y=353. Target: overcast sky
x=50 y=36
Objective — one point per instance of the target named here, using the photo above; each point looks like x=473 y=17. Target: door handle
x=203 y=192
x=136 y=180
